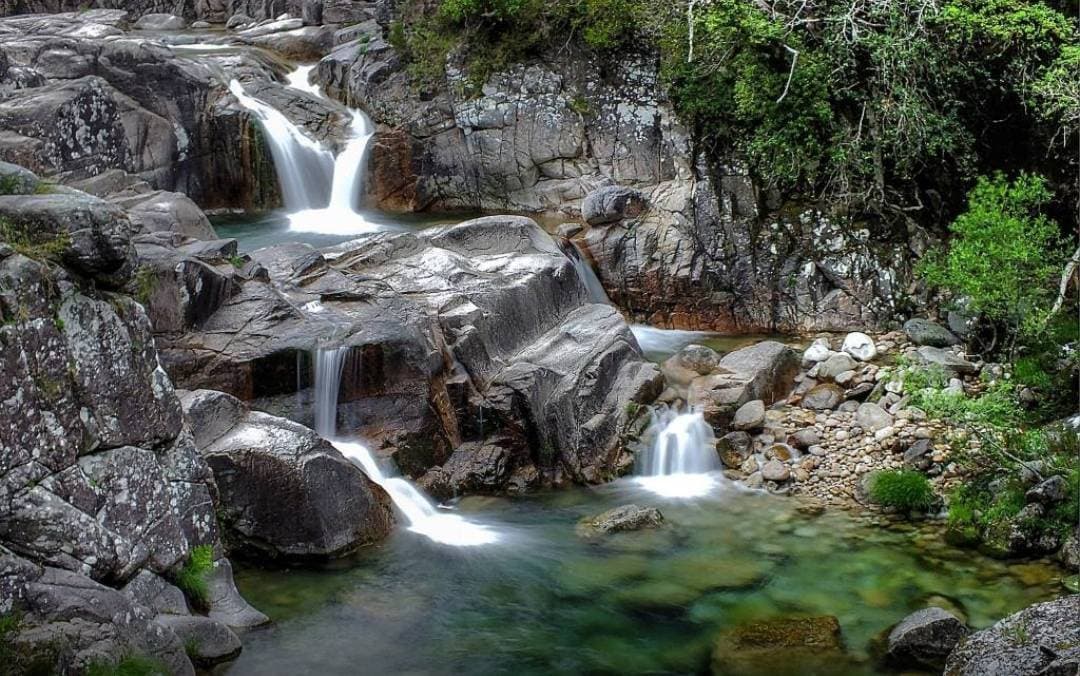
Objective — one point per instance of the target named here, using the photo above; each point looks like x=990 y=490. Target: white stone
x=818 y=351
x=860 y=346
x=884 y=433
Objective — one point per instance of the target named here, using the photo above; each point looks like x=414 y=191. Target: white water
x=304 y=168
x=586 y=274
x=682 y=461
x=421 y=513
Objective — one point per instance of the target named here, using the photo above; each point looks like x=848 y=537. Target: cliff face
x=103 y=492
x=711 y=251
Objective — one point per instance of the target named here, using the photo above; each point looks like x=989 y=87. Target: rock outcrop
x=1041 y=639
x=285 y=492
x=97 y=492
x=481 y=333
x=678 y=241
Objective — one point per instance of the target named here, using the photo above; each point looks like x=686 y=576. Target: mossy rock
x=785 y=645
x=656 y=595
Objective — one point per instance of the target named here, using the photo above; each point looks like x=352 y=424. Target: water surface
x=544 y=600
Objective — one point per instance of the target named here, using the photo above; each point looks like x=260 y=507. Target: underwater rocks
x=284 y=491
x=465 y=343
x=1041 y=639
x=804 y=646
x=620 y=519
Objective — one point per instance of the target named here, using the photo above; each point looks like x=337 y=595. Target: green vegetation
x=237 y=261
x=131 y=665
x=192 y=577
x=889 y=109
x=145 y=283
x=1004 y=256
x=903 y=489
x=36 y=245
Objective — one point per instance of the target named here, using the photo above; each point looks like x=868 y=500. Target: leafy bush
x=903 y=489
x=191 y=578
x=1004 y=255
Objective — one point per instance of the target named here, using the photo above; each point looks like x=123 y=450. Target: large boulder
x=285 y=492
x=478 y=337
x=1035 y=640
x=924 y=639
x=945 y=359
x=926 y=332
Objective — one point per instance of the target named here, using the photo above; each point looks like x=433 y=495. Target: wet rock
x=860 y=346
x=612 y=204
x=823 y=397
x=926 y=332
x=749 y=416
x=782 y=452
x=924 y=639
x=807 y=645
x=160 y=22
x=619 y=519
x=225 y=603
x=699 y=358
x=734 y=448
x=285 y=492
x=206 y=640
x=775 y=470
x=1026 y=642
x=872 y=417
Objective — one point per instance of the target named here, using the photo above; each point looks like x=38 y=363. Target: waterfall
x=586 y=274
x=682 y=461
x=304 y=168
x=421 y=513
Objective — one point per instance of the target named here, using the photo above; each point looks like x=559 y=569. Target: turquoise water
x=544 y=600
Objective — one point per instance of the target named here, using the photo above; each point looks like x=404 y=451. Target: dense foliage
x=891 y=107
x=902 y=489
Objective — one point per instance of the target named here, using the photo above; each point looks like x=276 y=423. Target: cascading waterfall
x=304 y=168
x=682 y=461
x=421 y=513
x=586 y=274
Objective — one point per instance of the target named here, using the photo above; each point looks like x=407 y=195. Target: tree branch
x=791 y=73
x=1066 y=277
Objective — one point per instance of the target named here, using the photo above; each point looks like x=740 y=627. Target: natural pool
x=544 y=600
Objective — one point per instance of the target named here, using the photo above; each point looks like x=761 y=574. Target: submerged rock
x=1041 y=639
x=801 y=645
x=924 y=639
x=624 y=518
x=285 y=492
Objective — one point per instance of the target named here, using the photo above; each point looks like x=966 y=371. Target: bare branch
x=1066 y=277
x=791 y=73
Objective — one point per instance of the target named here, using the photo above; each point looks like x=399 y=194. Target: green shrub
x=903 y=489
x=131 y=665
x=192 y=577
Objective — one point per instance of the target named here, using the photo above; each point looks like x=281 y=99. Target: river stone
x=612 y=204
x=945 y=359
x=16 y=180
x=1027 y=642
x=835 y=365
x=926 y=332
x=749 y=416
x=806 y=645
x=734 y=448
x=699 y=358
x=160 y=22
x=923 y=639
x=818 y=351
x=206 y=640
x=775 y=470
x=782 y=452
x=285 y=492
x=823 y=397
x=804 y=438
x=860 y=346
x=872 y=417
x=619 y=519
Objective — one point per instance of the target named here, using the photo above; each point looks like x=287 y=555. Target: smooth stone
x=775 y=470
x=926 y=332
x=749 y=416
x=859 y=346
x=924 y=639
x=823 y=397
x=835 y=365
x=872 y=417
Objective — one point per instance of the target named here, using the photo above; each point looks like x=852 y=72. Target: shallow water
x=659 y=344
x=543 y=600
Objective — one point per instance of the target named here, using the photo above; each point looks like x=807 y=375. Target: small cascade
x=586 y=274
x=682 y=461
x=423 y=516
x=304 y=168
x=421 y=513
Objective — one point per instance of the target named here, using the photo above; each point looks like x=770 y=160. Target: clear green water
x=545 y=601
